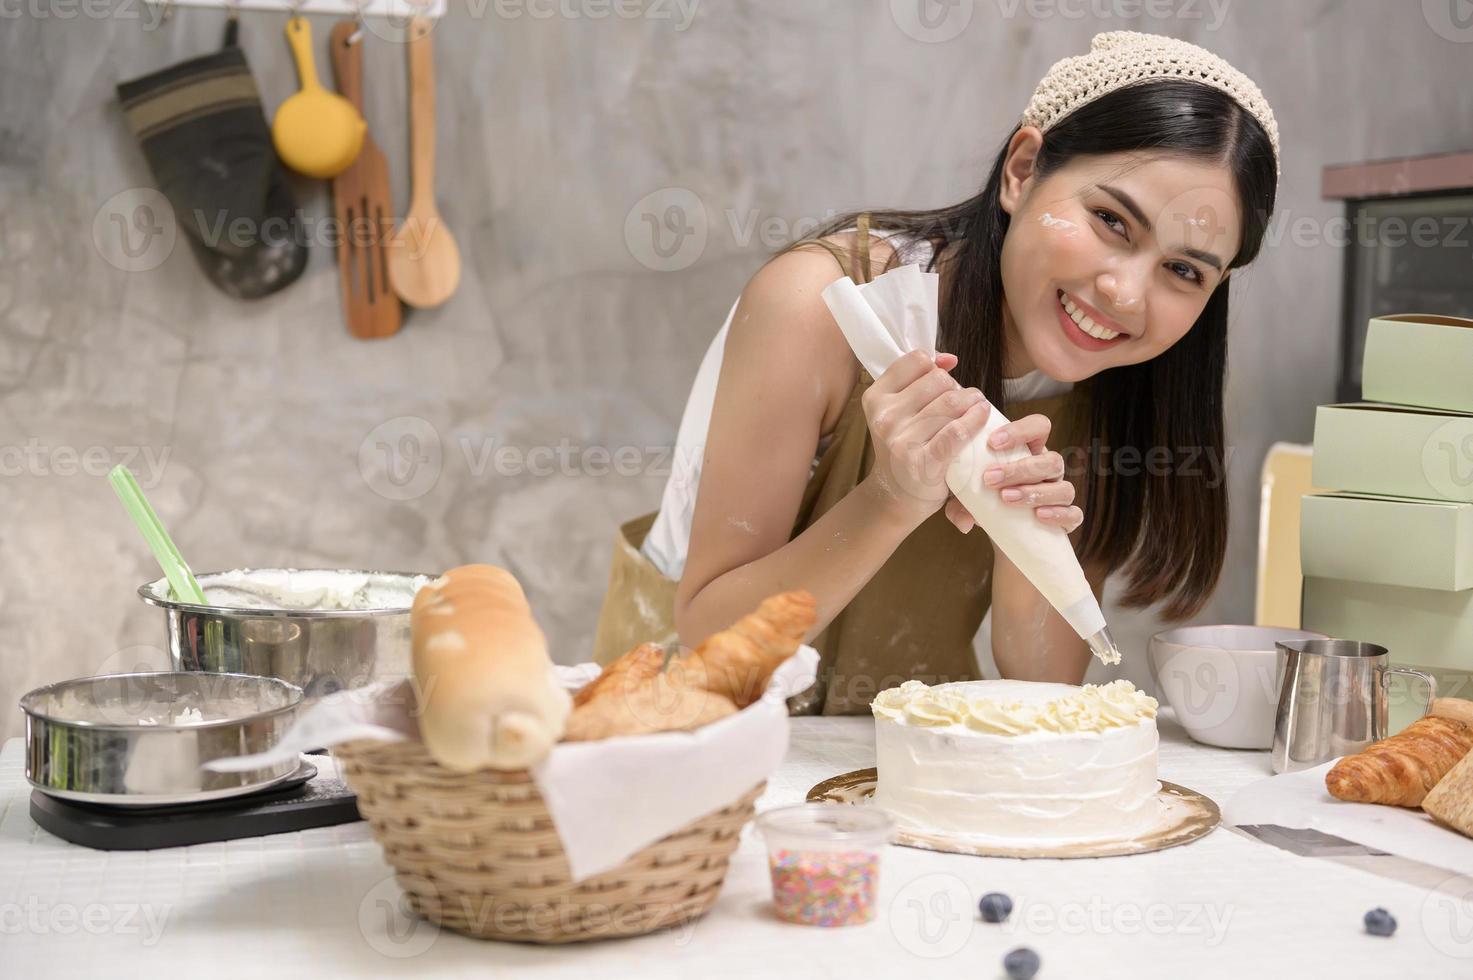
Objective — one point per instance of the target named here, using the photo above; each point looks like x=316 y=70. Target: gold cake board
x=1186 y=816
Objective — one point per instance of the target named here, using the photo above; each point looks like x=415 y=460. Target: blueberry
x=995 y=906
x=1379 y=922
x=1021 y=964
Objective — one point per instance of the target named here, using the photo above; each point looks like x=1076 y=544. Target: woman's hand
x=1035 y=481
x=919 y=419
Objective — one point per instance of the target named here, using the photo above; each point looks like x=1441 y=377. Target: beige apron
x=917 y=617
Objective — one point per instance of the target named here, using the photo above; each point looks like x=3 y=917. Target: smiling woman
x=1083 y=290
x=1103 y=250
x=1169 y=185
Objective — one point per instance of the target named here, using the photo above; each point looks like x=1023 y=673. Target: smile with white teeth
x=1084 y=322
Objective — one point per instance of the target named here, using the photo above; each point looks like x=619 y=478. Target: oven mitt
x=206 y=140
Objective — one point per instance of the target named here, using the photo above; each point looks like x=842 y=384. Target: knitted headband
x=1118 y=59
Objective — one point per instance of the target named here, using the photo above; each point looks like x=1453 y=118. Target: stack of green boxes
x=1388 y=556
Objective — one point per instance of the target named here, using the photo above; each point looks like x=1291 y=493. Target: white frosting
x=185 y=716
x=1018 y=762
x=310 y=589
x=1015 y=707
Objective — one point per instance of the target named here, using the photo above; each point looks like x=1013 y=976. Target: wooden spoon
x=424 y=262
x=364 y=208
x=316 y=132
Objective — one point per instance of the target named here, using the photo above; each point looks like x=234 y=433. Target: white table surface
x=322 y=903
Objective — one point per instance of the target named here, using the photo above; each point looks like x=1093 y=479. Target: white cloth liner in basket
x=608 y=798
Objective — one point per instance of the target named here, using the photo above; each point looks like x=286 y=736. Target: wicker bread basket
x=478 y=853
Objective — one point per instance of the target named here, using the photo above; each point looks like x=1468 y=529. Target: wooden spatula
x=424 y=262
x=365 y=210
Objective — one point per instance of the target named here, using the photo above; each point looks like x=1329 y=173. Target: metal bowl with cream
x=323 y=630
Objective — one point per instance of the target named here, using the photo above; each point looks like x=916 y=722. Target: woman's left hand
x=1035 y=481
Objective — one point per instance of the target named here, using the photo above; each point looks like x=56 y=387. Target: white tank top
x=668 y=540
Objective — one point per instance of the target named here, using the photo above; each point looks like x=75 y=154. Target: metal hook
x=232 y=23
x=360 y=6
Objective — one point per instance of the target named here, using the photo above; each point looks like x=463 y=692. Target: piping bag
x=896 y=313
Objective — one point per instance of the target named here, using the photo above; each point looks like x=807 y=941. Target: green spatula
x=176 y=570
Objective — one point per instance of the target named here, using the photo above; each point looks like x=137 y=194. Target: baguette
x=1401 y=769
x=488 y=697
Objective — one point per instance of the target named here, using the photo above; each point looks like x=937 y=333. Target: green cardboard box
x=1418 y=626
x=1395 y=450
x=1419 y=359
x=1422 y=544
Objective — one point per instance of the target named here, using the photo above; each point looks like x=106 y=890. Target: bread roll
x=488 y=697
x=1451 y=800
x=1458 y=709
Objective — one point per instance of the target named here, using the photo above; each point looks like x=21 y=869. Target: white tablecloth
x=322 y=903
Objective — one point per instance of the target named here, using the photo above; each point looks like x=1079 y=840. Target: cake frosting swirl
x=1091 y=708
x=1018 y=762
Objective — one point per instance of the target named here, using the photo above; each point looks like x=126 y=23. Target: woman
x=1084 y=291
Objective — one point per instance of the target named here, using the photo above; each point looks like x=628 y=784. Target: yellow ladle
x=315 y=132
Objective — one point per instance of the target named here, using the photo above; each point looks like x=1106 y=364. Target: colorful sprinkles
x=824 y=888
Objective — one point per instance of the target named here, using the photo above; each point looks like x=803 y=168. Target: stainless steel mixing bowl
x=321 y=650
x=140 y=739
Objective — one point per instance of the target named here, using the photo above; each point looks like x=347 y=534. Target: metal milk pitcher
x=1332 y=700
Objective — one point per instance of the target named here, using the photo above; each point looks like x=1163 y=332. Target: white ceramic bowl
x=1222 y=681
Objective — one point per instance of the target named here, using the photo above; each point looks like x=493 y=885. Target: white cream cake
x=1018 y=762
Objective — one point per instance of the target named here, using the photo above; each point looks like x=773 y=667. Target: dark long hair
x=1165 y=527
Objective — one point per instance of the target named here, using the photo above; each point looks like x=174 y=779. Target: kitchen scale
x=313 y=796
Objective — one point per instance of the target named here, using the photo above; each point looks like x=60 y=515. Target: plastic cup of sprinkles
x=825 y=861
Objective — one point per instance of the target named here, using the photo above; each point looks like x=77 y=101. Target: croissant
x=628 y=670
x=738 y=661
x=727 y=672
x=658 y=704
x=1400 y=770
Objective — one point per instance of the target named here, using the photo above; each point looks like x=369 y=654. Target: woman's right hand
x=919 y=419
